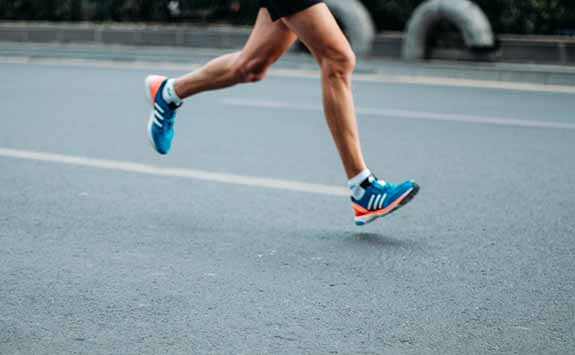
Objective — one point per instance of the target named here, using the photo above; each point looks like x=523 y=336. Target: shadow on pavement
x=378 y=240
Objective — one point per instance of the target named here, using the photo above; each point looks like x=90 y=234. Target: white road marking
x=433 y=81
x=132 y=167
x=303 y=74
x=407 y=114
x=465 y=83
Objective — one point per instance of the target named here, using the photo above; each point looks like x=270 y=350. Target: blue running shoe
x=381 y=199
x=163 y=116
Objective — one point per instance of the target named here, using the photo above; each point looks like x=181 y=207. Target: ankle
x=355 y=183
x=169 y=93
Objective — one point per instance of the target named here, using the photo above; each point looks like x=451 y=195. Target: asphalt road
x=115 y=261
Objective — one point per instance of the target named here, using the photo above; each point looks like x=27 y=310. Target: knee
x=338 y=63
x=251 y=70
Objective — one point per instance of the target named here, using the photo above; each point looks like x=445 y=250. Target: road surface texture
x=223 y=247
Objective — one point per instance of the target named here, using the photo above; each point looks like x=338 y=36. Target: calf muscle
x=317 y=28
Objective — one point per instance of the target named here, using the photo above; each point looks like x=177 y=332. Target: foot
x=163 y=116
x=381 y=199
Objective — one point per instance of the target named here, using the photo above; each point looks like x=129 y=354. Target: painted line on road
x=139 y=168
x=303 y=74
x=99 y=63
x=414 y=115
x=433 y=81
x=467 y=83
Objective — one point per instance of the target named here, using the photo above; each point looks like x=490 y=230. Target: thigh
x=269 y=40
x=318 y=30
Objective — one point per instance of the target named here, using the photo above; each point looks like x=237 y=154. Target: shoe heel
x=153 y=83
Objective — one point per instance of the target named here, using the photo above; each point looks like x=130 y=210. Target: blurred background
x=507 y=16
x=529 y=31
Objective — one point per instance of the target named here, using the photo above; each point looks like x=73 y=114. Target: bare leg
x=317 y=28
x=267 y=43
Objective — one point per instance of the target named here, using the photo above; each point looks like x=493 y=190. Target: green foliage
x=507 y=16
x=55 y=10
x=530 y=16
x=123 y=10
x=391 y=14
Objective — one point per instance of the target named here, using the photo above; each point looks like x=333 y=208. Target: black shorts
x=283 y=8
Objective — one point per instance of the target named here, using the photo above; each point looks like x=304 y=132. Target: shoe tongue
x=368 y=181
x=174 y=106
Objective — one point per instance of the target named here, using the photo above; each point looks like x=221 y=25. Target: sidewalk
x=187 y=57
x=387 y=45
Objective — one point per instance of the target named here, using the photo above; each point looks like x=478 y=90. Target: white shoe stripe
x=376 y=202
x=158 y=116
x=382 y=201
x=370 y=202
x=158 y=123
x=158 y=108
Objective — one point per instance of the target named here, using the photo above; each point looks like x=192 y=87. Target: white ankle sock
x=169 y=94
x=354 y=184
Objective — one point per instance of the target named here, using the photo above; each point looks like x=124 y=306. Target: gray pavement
x=97 y=261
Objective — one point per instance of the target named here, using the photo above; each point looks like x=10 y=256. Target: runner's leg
x=371 y=198
x=317 y=28
x=267 y=43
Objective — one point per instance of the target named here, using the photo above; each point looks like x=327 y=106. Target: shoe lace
x=170 y=116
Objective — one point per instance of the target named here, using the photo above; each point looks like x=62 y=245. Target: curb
x=514 y=49
x=227 y=37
